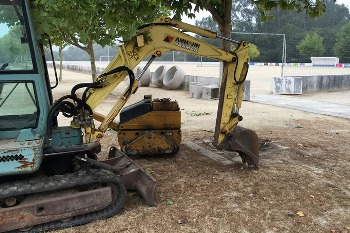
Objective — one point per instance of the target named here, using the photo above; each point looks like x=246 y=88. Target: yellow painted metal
x=99 y=117
x=156 y=132
x=231 y=93
x=157 y=39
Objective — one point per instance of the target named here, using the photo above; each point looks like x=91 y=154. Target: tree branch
x=73 y=40
x=216 y=16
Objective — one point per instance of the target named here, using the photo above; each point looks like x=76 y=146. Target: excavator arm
x=157 y=38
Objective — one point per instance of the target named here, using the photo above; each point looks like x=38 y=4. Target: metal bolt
x=10 y=201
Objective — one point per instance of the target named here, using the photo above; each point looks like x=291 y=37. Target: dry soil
x=302 y=184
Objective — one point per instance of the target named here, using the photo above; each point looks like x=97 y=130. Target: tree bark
x=226 y=25
x=90 y=51
x=60 y=55
x=223 y=18
x=88 y=48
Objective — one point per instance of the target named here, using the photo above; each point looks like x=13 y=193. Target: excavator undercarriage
x=46 y=203
x=94 y=190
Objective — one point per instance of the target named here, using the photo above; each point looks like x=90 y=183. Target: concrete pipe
x=145 y=79
x=158 y=75
x=174 y=78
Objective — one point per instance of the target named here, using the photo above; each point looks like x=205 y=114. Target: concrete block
x=199 y=79
x=210 y=92
x=196 y=89
x=246 y=93
x=286 y=85
x=210 y=154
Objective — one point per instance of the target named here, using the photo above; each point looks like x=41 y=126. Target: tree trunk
x=90 y=51
x=225 y=25
x=223 y=18
x=60 y=55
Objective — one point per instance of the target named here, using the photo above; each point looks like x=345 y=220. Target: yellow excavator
x=50 y=175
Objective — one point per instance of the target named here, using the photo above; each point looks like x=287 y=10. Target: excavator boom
x=166 y=34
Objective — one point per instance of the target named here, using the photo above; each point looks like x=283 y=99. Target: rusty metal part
x=149 y=142
x=132 y=176
x=164 y=104
x=245 y=142
x=150 y=128
x=47 y=203
x=52 y=209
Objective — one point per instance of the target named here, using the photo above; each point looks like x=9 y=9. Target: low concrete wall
x=325 y=82
x=307 y=84
x=78 y=68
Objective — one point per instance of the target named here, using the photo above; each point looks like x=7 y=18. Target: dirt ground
x=302 y=184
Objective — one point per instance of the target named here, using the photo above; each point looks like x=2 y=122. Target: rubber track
x=69 y=180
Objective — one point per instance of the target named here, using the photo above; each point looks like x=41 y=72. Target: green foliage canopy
x=253 y=51
x=342 y=46
x=10 y=48
x=95 y=20
x=221 y=10
x=293 y=24
x=311 y=46
x=85 y=22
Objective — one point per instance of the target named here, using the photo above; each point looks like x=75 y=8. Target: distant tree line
x=327 y=35
x=73 y=53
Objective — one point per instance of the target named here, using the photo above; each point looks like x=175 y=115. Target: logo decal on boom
x=168 y=39
x=183 y=43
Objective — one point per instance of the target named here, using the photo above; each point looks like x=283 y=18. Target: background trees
x=248 y=25
x=311 y=46
x=84 y=22
x=10 y=49
x=293 y=20
x=342 y=45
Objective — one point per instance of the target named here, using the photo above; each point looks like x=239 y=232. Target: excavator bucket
x=246 y=143
x=132 y=176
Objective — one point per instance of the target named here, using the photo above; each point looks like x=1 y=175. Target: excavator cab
x=25 y=95
x=49 y=177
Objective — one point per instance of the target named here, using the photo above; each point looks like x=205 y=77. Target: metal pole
x=145 y=68
x=228 y=39
x=284 y=53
